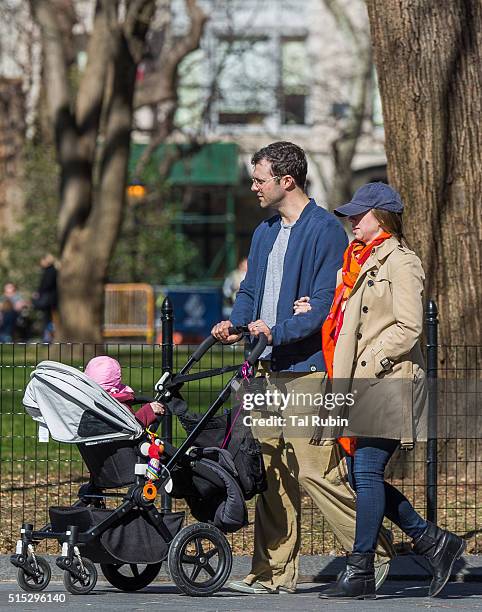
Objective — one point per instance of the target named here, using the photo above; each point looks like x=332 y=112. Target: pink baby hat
x=106 y=372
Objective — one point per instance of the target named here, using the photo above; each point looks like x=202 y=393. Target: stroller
x=214 y=470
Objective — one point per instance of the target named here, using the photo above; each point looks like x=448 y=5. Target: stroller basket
x=131 y=539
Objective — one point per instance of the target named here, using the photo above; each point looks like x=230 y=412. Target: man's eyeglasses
x=260 y=183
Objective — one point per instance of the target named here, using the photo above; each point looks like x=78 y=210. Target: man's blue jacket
x=313 y=257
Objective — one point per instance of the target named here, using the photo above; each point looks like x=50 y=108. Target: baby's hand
x=302 y=305
x=157 y=408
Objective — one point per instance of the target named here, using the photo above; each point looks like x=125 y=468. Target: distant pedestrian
x=8 y=317
x=45 y=299
x=11 y=293
x=12 y=313
x=232 y=282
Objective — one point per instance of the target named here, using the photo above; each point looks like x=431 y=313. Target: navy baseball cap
x=371 y=195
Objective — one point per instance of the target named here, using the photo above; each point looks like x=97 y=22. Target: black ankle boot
x=441 y=549
x=357 y=581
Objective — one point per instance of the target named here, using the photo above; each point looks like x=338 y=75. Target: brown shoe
x=256 y=588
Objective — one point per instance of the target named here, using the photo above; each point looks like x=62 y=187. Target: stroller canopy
x=75 y=408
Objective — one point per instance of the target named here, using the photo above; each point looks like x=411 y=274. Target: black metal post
x=167 y=327
x=431 y=318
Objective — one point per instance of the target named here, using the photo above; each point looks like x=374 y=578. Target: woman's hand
x=301 y=305
x=157 y=408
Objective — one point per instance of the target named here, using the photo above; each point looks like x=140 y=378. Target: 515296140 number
x=36 y=597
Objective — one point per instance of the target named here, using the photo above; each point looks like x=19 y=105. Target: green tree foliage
x=37 y=223
x=149 y=250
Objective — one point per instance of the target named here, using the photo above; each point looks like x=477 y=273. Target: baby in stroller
x=107 y=373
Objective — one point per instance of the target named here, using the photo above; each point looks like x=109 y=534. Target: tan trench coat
x=384 y=319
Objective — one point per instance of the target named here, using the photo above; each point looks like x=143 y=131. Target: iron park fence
x=442 y=477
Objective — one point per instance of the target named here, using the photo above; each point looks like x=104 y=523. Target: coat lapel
x=377 y=256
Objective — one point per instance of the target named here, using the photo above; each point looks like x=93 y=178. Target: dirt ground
x=23 y=499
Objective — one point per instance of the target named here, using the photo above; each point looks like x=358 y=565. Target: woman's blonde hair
x=391 y=222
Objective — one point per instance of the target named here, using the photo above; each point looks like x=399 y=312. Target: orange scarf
x=355 y=256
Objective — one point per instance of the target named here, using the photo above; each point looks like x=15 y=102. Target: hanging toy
x=152 y=471
x=155 y=451
x=149 y=492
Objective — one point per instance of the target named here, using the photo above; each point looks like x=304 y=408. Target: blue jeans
x=375 y=497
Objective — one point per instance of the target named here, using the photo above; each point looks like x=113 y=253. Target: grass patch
x=141 y=368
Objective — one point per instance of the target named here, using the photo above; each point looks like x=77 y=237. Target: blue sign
x=196 y=310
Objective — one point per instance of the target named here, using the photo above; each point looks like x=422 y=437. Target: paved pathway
x=395 y=596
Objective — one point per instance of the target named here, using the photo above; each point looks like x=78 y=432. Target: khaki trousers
x=291 y=461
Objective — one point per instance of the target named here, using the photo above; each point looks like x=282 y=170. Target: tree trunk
x=92 y=128
x=428 y=56
x=81 y=287
x=92 y=141
x=12 y=141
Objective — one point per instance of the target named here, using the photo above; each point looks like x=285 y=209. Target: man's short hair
x=285 y=158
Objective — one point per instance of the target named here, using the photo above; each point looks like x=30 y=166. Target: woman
x=372 y=334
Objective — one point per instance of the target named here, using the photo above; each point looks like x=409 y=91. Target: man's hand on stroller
x=260 y=327
x=221 y=332
x=158 y=408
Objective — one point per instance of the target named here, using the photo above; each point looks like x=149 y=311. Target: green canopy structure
x=210 y=165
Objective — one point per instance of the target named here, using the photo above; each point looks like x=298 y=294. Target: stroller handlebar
x=240 y=329
x=203 y=348
x=259 y=347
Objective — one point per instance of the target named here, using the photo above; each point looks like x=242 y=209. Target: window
x=294 y=80
x=244 y=80
x=193 y=90
x=247 y=77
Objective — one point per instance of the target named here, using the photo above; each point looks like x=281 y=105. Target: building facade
x=280 y=70
x=270 y=70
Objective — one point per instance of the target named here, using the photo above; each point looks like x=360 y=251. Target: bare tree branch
x=100 y=52
x=344 y=22
x=54 y=57
x=344 y=145
x=139 y=16
x=161 y=84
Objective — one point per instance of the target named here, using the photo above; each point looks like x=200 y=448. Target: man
x=297 y=252
x=46 y=297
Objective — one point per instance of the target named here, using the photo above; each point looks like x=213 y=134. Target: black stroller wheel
x=200 y=560
x=78 y=586
x=30 y=583
x=130 y=576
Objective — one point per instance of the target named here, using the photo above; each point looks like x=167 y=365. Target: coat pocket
x=365 y=366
